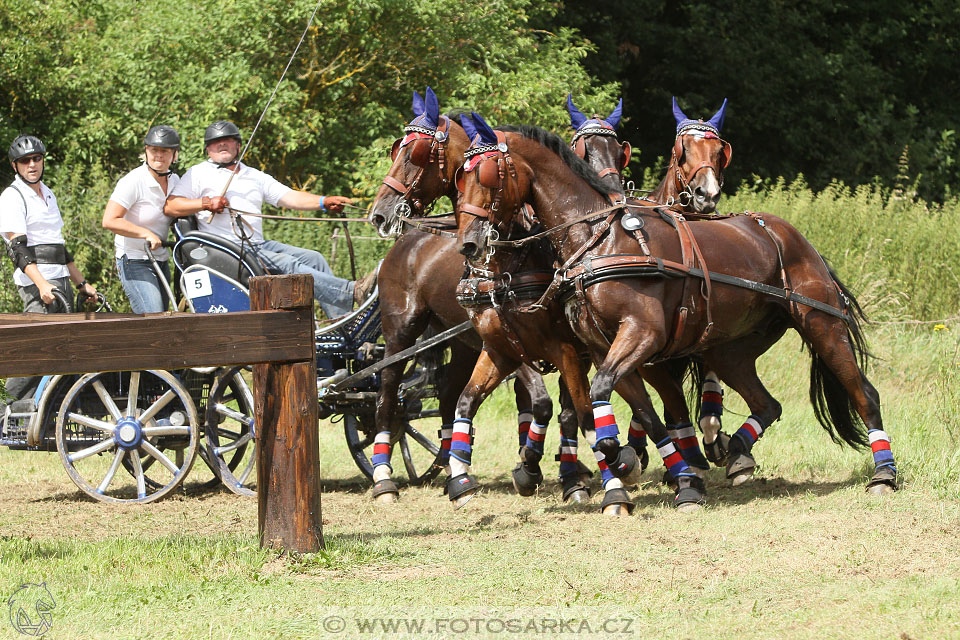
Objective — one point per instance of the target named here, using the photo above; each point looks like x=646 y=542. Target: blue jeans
x=140 y=283
x=335 y=295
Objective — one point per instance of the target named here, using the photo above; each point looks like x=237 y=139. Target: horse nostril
x=469 y=249
x=377 y=220
x=699 y=193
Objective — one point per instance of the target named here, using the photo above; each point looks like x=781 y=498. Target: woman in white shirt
x=135 y=214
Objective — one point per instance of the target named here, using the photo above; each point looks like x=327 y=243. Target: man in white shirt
x=31 y=227
x=201 y=187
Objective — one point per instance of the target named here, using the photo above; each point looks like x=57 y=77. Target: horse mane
x=457 y=114
x=556 y=144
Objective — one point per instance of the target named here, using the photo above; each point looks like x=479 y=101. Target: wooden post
x=285 y=405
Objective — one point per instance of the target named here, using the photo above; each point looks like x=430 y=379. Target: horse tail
x=832 y=405
x=688 y=368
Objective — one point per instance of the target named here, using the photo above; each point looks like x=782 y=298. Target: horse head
x=699 y=157
x=490 y=185
x=425 y=160
x=595 y=140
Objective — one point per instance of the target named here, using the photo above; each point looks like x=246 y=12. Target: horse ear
x=418 y=106
x=576 y=118
x=677 y=113
x=717 y=119
x=469 y=128
x=487 y=134
x=614 y=118
x=432 y=107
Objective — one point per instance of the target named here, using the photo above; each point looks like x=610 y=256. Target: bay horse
x=634 y=308
x=417 y=283
x=494 y=291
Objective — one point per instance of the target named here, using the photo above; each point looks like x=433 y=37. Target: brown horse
x=513 y=335
x=417 y=281
x=726 y=288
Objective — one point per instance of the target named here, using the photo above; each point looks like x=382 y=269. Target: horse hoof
x=689 y=507
x=880 y=489
x=385 y=491
x=690 y=494
x=577 y=492
x=461 y=489
x=616 y=511
x=526 y=482
x=740 y=478
x=616 y=502
x=740 y=467
x=463 y=499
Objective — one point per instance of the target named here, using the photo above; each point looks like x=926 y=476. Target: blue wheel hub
x=128 y=433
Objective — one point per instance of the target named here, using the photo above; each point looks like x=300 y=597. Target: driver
x=202 y=189
x=31 y=227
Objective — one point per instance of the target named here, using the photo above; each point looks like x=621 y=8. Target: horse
x=417 y=281
x=728 y=299
x=595 y=141
x=512 y=336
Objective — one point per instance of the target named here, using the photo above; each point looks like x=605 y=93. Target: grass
x=801 y=552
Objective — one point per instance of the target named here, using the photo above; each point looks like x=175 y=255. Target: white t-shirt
x=142 y=196
x=248 y=190
x=41 y=222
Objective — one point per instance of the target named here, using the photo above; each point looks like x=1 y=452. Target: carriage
x=154 y=423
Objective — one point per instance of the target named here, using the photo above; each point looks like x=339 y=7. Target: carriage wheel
x=136 y=419
x=418 y=451
x=230 y=433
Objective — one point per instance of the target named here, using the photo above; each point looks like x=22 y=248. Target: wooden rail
x=277 y=336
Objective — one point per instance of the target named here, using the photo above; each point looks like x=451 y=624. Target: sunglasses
x=30 y=159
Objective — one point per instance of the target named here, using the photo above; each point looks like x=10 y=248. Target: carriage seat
x=219 y=254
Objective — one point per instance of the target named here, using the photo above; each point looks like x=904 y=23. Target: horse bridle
x=421 y=155
x=681 y=181
x=579 y=146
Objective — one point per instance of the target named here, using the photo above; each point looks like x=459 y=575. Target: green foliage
x=898 y=256
x=107 y=70
x=823 y=88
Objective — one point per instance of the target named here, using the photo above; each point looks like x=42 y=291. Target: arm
x=76 y=278
x=180 y=207
x=114 y=220
x=303 y=201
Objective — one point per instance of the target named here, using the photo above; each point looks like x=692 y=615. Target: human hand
x=46 y=292
x=335 y=203
x=89 y=290
x=153 y=239
x=214 y=205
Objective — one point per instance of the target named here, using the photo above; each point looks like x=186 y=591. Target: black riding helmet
x=221 y=129
x=23 y=146
x=162 y=136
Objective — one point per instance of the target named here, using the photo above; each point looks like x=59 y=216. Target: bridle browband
x=437 y=151
x=504 y=162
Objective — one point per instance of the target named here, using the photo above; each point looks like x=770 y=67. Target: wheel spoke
x=167 y=430
x=107 y=400
x=159 y=455
x=93 y=423
x=251 y=465
x=112 y=471
x=138 y=474
x=423 y=440
x=161 y=402
x=101 y=446
x=233 y=446
x=226 y=411
x=132 y=393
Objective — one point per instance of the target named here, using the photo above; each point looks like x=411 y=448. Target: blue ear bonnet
x=595 y=125
x=714 y=124
x=478 y=131
x=426 y=111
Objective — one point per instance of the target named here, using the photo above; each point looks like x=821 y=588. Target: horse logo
x=30 y=608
